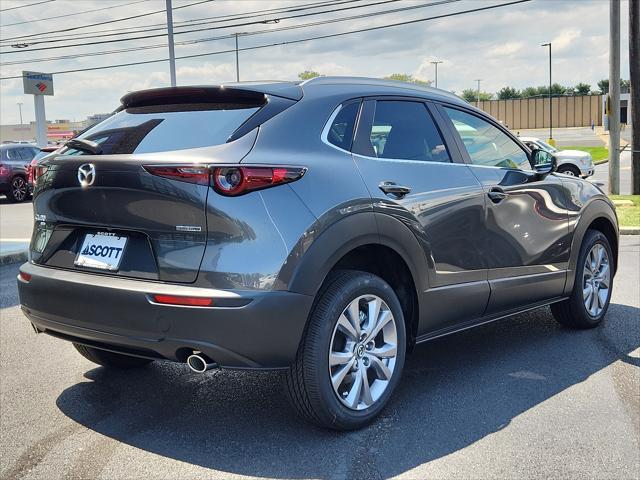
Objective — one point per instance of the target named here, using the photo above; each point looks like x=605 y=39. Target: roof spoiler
x=249 y=92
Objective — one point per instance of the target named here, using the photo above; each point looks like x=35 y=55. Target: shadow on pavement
x=454 y=392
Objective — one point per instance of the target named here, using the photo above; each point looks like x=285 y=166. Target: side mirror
x=543 y=162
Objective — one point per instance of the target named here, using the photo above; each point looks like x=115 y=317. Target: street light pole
x=551 y=140
x=614 y=97
x=478 y=94
x=436 y=62
x=237 y=61
x=20 y=108
x=172 y=53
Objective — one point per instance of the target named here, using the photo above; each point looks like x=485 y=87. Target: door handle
x=496 y=194
x=392 y=188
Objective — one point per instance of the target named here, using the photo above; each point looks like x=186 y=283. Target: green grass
x=599 y=154
x=628 y=215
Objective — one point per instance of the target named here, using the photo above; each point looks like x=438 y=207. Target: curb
x=629 y=230
x=14 y=257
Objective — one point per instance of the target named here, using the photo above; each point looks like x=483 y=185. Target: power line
x=24 y=6
x=111 y=21
x=144 y=37
x=73 y=14
x=289 y=42
x=258 y=32
x=254 y=13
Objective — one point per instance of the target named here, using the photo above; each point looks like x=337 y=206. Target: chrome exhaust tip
x=199 y=363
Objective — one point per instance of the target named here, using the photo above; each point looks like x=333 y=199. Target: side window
x=487 y=145
x=340 y=131
x=13 y=154
x=26 y=153
x=405 y=131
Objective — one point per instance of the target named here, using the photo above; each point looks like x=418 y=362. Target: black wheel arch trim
x=310 y=271
x=596 y=209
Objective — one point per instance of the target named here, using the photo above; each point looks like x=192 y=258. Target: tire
x=18 y=190
x=111 y=359
x=309 y=380
x=573 y=312
x=569 y=170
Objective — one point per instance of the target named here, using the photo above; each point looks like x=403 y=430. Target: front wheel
x=570 y=170
x=592 y=287
x=352 y=354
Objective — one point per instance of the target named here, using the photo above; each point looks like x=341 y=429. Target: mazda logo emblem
x=87 y=174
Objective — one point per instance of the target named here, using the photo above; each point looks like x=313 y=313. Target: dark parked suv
x=322 y=228
x=14 y=166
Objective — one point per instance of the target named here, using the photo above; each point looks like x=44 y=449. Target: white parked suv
x=570 y=162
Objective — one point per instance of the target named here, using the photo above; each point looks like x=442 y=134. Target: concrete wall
x=527 y=113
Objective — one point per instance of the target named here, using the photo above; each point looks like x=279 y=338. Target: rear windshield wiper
x=84 y=145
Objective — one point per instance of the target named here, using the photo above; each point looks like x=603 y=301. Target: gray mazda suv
x=322 y=228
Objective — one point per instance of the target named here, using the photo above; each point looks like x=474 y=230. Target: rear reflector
x=26 y=277
x=179 y=300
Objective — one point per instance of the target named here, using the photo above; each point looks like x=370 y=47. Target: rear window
x=162 y=128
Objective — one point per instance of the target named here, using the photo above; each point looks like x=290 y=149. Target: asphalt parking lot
x=520 y=398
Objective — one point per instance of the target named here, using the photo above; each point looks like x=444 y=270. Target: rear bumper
x=262 y=331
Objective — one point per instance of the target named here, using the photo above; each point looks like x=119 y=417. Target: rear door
x=525 y=238
x=134 y=202
x=414 y=175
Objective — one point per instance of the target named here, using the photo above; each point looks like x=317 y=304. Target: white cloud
x=500 y=46
x=506 y=50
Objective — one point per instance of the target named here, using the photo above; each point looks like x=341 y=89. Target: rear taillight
x=37 y=172
x=234 y=181
x=25 y=277
x=4 y=171
x=191 y=174
x=230 y=180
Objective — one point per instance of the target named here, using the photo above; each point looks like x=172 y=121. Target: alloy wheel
x=363 y=351
x=18 y=189
x=596 y=279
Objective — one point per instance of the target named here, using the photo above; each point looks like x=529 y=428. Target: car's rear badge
x=188 y=228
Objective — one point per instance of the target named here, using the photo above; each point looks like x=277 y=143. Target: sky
x=500 y=46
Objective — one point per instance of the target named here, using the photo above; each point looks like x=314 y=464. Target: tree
x=582 y=89
x=529 y=92
x=308 y=74
x=405 y=77
x=506 y=93
x=603 y=85
x=471 y=95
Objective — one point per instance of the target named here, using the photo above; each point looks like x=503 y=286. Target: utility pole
x=614 y=97
x=172 y=53
x=634 y=70
x=436 y=62
x=478 y=94
x=551 y=140
x=20 y=108
x=237 y=61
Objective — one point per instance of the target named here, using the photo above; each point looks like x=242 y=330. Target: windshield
x=166 y=127
x=546 y=146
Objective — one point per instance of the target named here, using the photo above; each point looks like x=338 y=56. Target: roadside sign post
x=38 y=84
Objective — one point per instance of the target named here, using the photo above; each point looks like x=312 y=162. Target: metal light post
x=237 y=61
x=551 y=140
x=478 y=94
x=172 y=53
x=614 y=97
x=20 y=108
x=436 y=62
